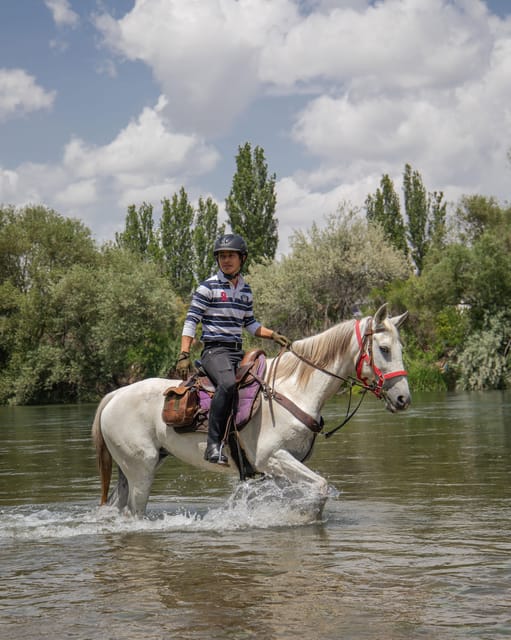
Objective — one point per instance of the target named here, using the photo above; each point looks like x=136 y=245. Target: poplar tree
x=384 y=209
x=177 y=243
x=205 y=232
x=139 y=235
x=437 y=210
x=251 y=204
x=426 y=217
x=416 y=208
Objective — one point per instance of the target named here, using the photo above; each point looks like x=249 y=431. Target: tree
x=177 y=242
x=485 y=362
x=328 y=274
x=437 y=211
x=251 y=204
x=425 y=215
x=476 y=214
x=136 y=329
x=416 y=208
x=139 y=235
x=205 y=232
x=384 y=209
x=38 y=245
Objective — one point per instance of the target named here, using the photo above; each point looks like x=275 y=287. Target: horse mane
x=321 y=349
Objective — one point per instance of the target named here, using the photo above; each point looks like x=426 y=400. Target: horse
x=128 y=427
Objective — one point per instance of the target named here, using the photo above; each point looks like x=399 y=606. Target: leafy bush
x=485 y=363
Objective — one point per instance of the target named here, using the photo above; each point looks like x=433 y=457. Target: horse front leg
x=283 y=464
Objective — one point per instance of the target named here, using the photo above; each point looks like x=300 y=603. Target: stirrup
x=215 y=455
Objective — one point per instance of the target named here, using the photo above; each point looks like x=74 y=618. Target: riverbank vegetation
x=78 y=319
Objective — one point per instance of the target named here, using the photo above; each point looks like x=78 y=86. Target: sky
x=107 y=103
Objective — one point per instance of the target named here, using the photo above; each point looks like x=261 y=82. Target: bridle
x=366 y=355
x=365 y=344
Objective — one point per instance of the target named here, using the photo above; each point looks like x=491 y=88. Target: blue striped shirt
x=222 y=309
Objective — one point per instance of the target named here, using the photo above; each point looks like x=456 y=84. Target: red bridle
x=365 y=344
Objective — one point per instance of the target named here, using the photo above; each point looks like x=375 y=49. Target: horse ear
x=379 y=317
x=397 y=321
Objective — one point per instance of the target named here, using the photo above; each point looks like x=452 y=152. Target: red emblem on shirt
x=223 y=296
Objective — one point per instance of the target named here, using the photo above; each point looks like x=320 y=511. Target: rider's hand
x=183 y=364
x=280 y=339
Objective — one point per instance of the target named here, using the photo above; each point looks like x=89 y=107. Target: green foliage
x=137 y=314
x=251 y=204
x=437 y=211
x=416 y=208
x=384 y=209
x=37 y=245
x=328 y=273
x=75 y=322
x=488 y=276
x=139 y=235
x=485 y=361
x=477 y=214
x=426 y=376
x=205 y=232
x=177 y=241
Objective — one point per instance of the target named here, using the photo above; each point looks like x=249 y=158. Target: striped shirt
x=222 y=309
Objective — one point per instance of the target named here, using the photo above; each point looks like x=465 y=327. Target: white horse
x=128 y=426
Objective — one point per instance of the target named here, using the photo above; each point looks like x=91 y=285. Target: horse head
x=380 y=361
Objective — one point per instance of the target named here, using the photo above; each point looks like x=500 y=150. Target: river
x=414 y=542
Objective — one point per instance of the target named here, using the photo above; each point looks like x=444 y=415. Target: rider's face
x=229 y=261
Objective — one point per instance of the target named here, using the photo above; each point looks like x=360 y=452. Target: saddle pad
x=249 y=401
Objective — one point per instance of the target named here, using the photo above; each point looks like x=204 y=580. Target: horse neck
x=334 y=351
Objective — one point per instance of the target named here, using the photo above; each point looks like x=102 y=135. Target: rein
x=365 y=344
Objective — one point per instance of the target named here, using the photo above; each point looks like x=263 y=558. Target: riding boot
x=215 y=454
x=221 y=406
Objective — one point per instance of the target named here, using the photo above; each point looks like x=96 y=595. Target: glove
x=280 y=339
x=183 y=365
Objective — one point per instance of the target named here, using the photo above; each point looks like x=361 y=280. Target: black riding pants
x=220 y=364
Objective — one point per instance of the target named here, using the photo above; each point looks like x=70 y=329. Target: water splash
x=254 y=504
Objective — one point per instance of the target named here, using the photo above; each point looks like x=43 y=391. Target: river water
x=414 y=542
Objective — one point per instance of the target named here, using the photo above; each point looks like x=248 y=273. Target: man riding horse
x=224 y=305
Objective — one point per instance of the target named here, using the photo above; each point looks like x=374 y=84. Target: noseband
x=365 y=344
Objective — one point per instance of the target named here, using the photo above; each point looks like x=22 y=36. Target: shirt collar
x=223 y=279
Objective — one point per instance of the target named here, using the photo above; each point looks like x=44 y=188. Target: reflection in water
x=415 y=546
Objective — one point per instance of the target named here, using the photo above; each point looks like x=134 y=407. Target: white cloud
x=78 y=194
x=394 y=45
x=204 y=55
x=145 y=150
x=20 y=93
x=62 y=13
x=146 y=161
x=300 y=205
x=375 y=85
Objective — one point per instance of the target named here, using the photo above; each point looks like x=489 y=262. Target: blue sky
x=104 y=103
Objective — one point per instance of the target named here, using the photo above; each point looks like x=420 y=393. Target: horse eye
x=384 y=349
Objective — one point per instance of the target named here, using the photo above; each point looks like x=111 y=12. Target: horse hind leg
x=119 y=496
x=136 y=479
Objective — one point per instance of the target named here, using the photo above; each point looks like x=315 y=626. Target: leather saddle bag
x=180 y=406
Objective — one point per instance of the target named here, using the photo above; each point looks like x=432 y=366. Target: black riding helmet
x=231 y=242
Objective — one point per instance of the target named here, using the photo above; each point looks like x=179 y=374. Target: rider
x=223 y=304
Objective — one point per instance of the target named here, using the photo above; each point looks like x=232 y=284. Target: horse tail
x=103 y=455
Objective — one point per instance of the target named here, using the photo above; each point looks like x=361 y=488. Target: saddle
x=186 y=407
